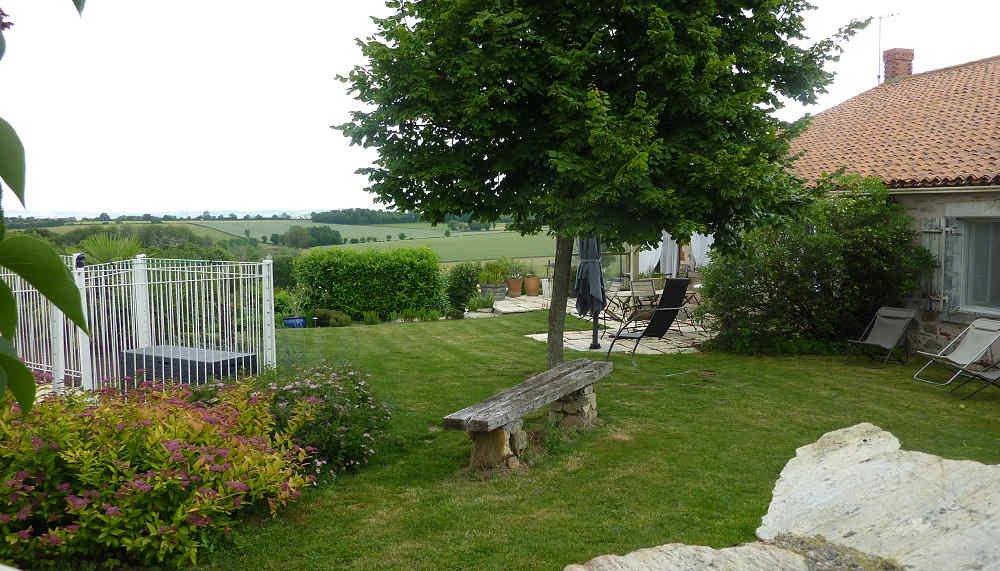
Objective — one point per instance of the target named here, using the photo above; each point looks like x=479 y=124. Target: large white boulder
x=857 y=490
x=855 y=487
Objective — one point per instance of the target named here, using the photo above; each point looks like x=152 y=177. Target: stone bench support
x=578 y=409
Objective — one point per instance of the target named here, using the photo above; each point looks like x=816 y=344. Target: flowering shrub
x=141 y=477
x=340 y=421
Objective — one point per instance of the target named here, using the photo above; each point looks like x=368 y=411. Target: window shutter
x=953 y=265
x=932 y=238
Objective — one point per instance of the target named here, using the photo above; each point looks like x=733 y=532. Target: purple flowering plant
x=142 y=477
x=339 y=421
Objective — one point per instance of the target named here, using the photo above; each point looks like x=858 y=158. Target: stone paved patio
x=682 y=338
x=674 y=342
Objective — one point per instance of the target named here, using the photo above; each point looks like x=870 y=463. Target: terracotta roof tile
x=938 y=128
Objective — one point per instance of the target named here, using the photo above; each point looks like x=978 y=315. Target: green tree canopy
x=616 y=118
x=621 y=119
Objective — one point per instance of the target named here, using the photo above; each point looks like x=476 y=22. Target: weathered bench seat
x=495 y=424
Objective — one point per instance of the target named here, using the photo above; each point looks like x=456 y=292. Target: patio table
x=624 y=301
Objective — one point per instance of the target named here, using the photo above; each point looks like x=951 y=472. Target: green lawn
x=689 y=450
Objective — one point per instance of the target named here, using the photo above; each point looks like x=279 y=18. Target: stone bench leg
x=500 y=447
x=578 y=409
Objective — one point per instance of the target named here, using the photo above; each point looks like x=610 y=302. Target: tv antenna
x=878 y=55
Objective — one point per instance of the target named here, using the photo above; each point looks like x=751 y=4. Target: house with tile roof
x=934 y=139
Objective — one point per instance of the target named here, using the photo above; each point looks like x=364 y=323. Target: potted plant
x=514 y=284
x=531 y=284
x=513 y=271
x=491 y=282
x=291 y=306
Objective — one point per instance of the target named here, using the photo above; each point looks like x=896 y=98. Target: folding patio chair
x=616 y=305
x=643 y=299
x=660 y=317
x=884 y=333
x=968 y=347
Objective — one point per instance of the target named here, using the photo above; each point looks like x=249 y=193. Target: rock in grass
x=855 y=487
x=677 y=556
x=854 y=500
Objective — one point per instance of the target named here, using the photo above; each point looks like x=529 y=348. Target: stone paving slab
x=522 y=304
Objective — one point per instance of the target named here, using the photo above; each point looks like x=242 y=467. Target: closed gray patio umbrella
x=590 y=298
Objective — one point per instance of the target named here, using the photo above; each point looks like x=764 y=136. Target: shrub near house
x=387 y=282
x=819 y=276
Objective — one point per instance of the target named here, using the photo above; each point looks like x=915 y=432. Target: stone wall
x=952 y=204
x=932 y=332
x=939 y=322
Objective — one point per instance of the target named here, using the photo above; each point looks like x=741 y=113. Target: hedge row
x=384 y=282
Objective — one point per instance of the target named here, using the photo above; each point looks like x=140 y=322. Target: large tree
x=621 y=119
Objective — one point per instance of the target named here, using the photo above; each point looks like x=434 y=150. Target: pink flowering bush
x=143 y=477
x=330 y=411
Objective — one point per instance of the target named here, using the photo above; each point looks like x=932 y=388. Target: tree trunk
x=560 y=292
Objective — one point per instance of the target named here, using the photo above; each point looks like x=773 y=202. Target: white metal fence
x=149 y=318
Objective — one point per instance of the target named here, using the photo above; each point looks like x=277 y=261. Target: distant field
x=260 y=228
x=473 y=246
x=113 y=226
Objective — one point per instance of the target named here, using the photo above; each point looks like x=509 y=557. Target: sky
x=226 y=105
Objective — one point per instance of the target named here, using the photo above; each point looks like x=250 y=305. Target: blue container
x=294 y=322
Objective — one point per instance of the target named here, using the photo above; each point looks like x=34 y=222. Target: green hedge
x=386 y=282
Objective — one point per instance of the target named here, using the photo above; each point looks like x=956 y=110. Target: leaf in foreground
x=35 y=261
x=11 y=159
x=16 y=376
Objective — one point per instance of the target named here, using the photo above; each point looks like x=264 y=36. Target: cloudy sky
x=225 y=105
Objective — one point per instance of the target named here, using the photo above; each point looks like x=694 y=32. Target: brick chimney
x=898 y=63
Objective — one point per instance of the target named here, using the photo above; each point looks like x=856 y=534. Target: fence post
x=267 y=285
x=57 y=345
x=82 y=339
x=140 y=297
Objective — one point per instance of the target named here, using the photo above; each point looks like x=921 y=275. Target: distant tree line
x=364 y=216
x=26 y=222
x=367 y=216
x=301 y=237
x=349 y=216
x=20 y=223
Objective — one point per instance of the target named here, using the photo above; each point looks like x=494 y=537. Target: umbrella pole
x=594 y=344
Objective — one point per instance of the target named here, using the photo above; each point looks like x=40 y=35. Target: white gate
x=149 y=318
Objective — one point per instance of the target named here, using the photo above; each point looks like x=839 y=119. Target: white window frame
x=967 y=269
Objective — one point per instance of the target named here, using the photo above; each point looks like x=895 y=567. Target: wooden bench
x=495 y=424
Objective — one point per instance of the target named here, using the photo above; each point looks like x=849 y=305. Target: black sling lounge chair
x=660 y=317
x=884 y=333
